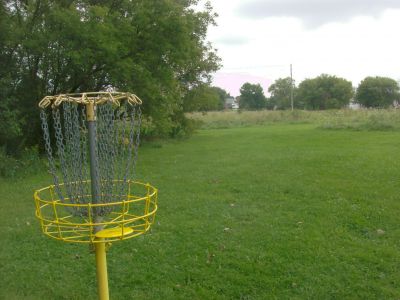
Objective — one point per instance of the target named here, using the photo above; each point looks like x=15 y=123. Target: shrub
x=27 y=163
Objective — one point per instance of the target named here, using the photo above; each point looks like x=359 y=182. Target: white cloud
x=315 y=12
x=232 y=40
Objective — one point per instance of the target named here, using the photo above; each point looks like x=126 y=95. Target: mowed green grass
x=271 y=212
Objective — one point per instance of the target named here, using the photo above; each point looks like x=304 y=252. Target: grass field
x=260 y=212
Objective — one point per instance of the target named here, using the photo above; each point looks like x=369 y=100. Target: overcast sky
x=259 y=39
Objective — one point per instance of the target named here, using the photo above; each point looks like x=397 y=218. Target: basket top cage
x=89 y=97
x=91 y=137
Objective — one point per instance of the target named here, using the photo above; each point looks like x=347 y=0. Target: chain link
x=61 y=151
x=137 y=142
x=47 y=144
x=105 y=151
x=123 y=143
x=70 y=152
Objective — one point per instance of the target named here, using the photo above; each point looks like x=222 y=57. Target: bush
x=184 y=127
x=27 y=163
x=324 y=92
x=378 y=92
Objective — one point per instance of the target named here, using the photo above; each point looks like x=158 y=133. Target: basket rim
x=58 y=201
x=128 y=223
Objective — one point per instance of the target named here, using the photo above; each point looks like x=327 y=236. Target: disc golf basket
x=91 y=141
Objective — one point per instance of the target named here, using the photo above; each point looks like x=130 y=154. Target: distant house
x=231 y=103
x=354 y=105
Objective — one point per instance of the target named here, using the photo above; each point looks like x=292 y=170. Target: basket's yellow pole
x=101 y=270
x=100 y=248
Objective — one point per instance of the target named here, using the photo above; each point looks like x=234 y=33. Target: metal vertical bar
x=94 y=168
x=101 y=259
x=101 y=271
x=93 y=161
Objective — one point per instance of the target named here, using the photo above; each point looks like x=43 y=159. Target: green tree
x=281 y=91
x=324 y=92
x=155 y=48
x=202 y=98
x=10 y=116
x=252 y=96
x=377 y=92
x=222 y=94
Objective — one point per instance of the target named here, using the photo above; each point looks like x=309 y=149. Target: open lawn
x=267 y=212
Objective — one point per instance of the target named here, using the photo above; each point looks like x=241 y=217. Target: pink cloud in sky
x=232 y=82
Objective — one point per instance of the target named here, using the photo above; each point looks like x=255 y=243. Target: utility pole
x=291 y=86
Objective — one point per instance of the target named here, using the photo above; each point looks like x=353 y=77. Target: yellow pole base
x=101 y=270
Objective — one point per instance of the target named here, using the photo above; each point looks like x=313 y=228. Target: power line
x=256 y=67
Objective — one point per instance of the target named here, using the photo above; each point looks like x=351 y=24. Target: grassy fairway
x=281 y=211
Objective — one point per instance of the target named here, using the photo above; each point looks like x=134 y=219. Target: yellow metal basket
x=126 y=219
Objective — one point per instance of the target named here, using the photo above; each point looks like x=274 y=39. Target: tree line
x=320 y=93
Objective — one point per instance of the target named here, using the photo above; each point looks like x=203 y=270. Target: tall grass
x=365 y=119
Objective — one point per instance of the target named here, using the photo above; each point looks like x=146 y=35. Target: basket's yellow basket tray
x=127 y=216
x=113 y=232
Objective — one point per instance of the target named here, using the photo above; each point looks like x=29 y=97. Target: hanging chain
x=61 y=151
x=117 y=152
x=78 y=165
x=84 y=150
x=131 y=143
x=123 y=142
x=105 y=157
x=136 y=120
x=47 y=144
x=70 y=158
x=137 y=142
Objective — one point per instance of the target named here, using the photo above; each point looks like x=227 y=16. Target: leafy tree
x=222 y=94
x=202 y=98
x=252 y=96
x=377 y=92
x=10 y=116
x=324 y=92
x=155 y=48
x=280 y=91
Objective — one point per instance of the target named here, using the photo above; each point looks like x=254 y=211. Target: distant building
x=237 y=103
x=354 y=105
x=229 y=102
